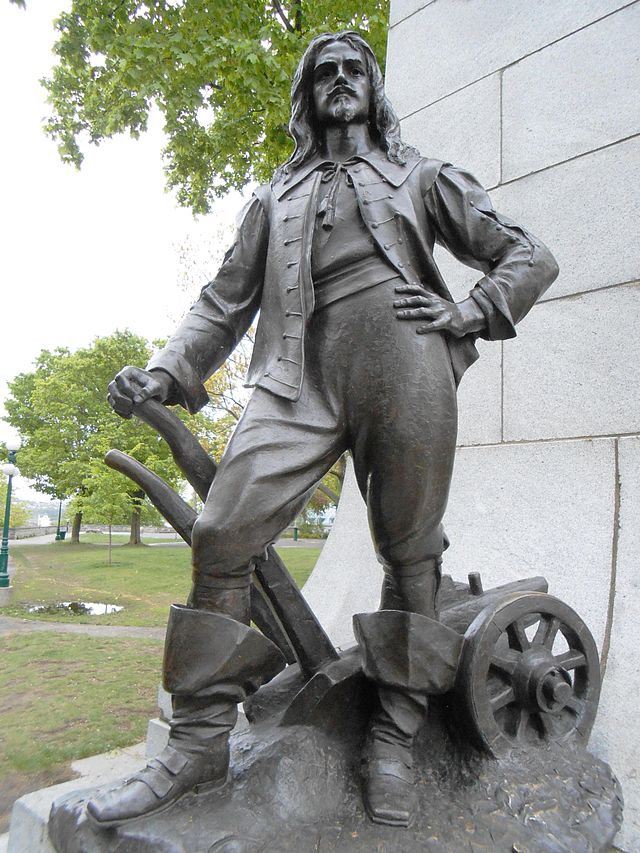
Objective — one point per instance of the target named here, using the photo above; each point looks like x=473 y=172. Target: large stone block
x=574 y=96
x=586 y=211
x=347 y=578
x=401 y=9
x=29 y=819
x=452 y=43
x=615 y=735
x=574 y=371
x=480 y=398
x=537 y=509
x=463 y=129
x=459 y=278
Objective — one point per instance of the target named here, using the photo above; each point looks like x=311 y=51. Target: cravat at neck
x=331 y=172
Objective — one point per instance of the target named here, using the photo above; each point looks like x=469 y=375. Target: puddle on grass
x=76 y=608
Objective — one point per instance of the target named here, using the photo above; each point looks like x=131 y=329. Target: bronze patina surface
x=359 y=347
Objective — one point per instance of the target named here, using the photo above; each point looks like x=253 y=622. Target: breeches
x=372 y=386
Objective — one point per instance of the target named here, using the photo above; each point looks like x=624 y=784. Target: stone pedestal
x=296 y=789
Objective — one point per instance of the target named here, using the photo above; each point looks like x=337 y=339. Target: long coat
x=406 y=208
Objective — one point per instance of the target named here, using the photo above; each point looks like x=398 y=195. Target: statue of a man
x=359 y=347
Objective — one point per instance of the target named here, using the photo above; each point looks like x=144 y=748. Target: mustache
x=341 y=90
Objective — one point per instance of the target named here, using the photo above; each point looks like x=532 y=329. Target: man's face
x=341 y=86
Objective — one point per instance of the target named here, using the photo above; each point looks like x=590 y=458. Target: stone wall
x=540 y=100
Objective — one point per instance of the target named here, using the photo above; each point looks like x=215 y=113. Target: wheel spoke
x=547 y=726
x=551 y=726
x=502 y=698
x=571 y=659
x=574 y=705
x=506 y=662
x=547 y=630
x=517 y=636
x=522 y=724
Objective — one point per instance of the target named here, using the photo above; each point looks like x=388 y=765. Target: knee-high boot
x=408 y=656
x=211 y=663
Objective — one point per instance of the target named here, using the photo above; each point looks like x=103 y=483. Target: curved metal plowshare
x=277 y=607
x=528 y=671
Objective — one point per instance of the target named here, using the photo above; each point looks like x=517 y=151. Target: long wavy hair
x=384 y=126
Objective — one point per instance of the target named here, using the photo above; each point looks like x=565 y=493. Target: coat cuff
x=494 y=306
x=189 y=392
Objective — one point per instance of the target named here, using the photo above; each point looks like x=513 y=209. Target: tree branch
x=328 y=492
x=282 y=16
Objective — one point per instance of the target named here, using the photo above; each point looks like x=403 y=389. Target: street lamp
x=60 y=535
x=10 y=470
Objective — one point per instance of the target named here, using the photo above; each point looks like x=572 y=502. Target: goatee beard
x=345 y=111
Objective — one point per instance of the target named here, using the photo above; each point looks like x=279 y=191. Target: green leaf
x=235 y=57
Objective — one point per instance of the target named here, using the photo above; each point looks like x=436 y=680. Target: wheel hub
x=540 y=684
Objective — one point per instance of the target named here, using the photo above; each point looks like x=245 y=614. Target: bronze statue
x=359 y=347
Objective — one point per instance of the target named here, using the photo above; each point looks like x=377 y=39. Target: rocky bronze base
x=296 y=789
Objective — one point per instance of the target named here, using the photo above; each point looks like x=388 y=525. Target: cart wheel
x=529 y=674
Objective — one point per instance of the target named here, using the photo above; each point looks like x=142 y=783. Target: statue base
x=295 y=788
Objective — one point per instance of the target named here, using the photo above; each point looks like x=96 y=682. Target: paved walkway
x=11 y=625
x=170 y=537
x=32 y=540
x=14 y=625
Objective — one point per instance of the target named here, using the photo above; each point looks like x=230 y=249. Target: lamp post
x=10 y=470
x=59 y=534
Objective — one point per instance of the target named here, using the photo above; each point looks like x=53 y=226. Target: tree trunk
x=134 y=536
x=75 y=529
x=110 y=544
x=339 y=469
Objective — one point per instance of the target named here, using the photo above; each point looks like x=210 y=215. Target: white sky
x=81 y=253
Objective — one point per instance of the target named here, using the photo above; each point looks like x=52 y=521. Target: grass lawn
x=143 y=580
x=67 y=696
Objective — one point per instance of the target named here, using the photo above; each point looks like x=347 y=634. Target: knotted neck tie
x=331 y=172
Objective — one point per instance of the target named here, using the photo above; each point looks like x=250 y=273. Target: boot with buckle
x=409 y=657
x=211 y=663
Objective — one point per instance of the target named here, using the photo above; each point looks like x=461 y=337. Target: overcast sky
x=81 y=253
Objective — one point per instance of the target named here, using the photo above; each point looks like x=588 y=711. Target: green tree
x=20 y=512
x=105 y=499
x=219 y=71
x=60 y=410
